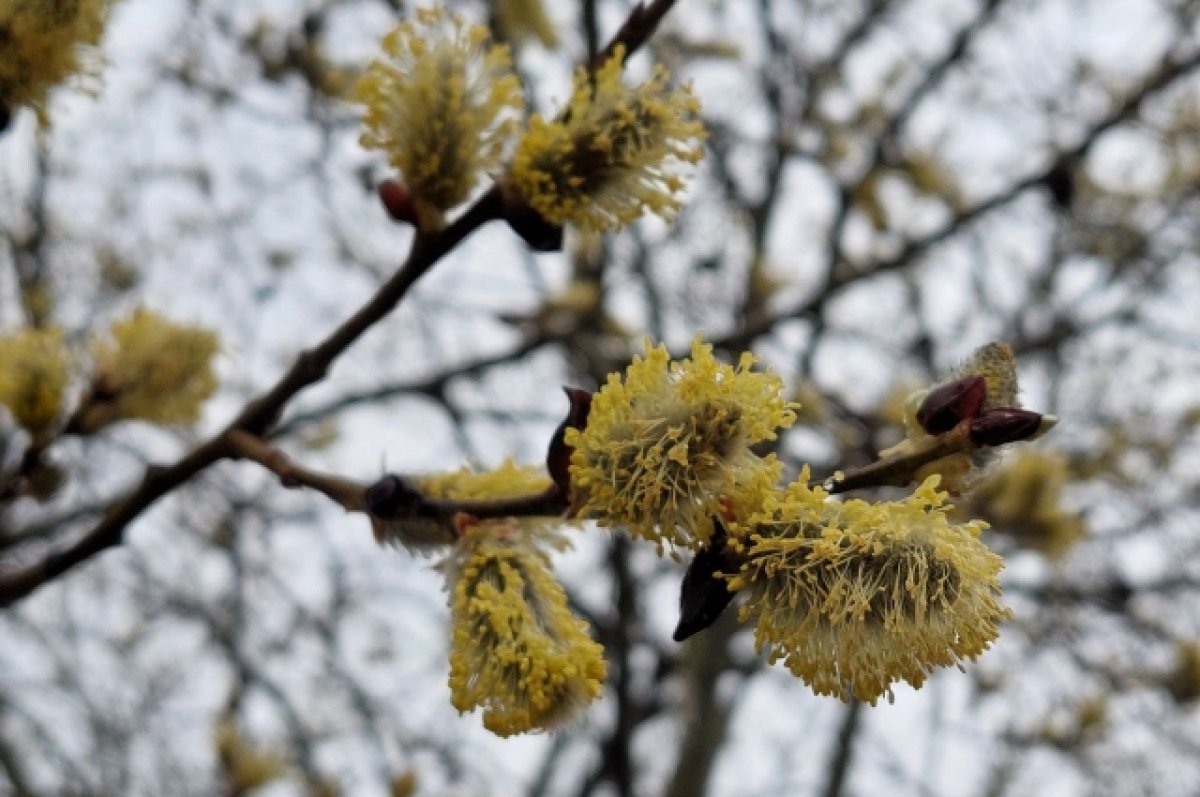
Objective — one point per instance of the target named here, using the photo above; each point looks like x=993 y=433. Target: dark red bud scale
x=704 y=595
x=1005 y=425
x=539 y=234
x=948 y=405
x=558 y=456
x=397 y=201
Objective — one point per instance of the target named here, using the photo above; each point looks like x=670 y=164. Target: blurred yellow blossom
x=853 y=596
x=1022 y=497
x=44 y=43
x=518 y=19
x=442 y=104
x=612 y=154
x=245 y=765
x=517 y=652
x=153 y=369
x=1183 y=681
x=668 y=447
x=33 y=376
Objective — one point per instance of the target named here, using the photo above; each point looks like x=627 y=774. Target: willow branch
x=260 y=414
x=256 y=417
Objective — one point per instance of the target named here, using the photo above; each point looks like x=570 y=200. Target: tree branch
x=350 y=495
x=637 y=29
x=256 y=417
x=261 y=413
x=1166 y=74
x=843 y=750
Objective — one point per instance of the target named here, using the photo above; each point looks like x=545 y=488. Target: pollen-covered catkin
x=516 y=651
x=33 y=376
x=153 y=369
x=668 y=446
x=854 y=596
x=44 y=44
x=442 y=104
x=613 y=154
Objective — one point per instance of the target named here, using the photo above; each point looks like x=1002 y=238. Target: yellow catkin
x=34 y=370
x=520 y=19
x=854 y=596
x=667 y=447
x=44 y=43
x=517 y=652
x=153 y=369
x=442 y=103
x=613 y=154
x=510 y=480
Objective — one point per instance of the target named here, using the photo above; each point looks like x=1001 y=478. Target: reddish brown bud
x=1008 y=425
x=397 y=201
x=558 y=457
x=947 y=405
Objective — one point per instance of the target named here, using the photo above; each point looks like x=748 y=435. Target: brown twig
x=843 y=752
x=15 y=483
x=256 y=417
x=1168 y=72
x=638 y=27
x=896 y=470
x=398 y=498
x=348 y=494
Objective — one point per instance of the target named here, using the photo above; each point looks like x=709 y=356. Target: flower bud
x=400 y=516
x=1008 y=425
x=855 y=596
x=397 y=202
x=441 y=102
x=947 y=405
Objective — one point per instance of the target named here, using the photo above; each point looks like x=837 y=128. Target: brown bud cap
x=392 y=497
x=558 y=457
x=541 y=235
x=397 y=201
x=947 y=405
x=45 y=480
x=703 y=595
x=1008 y=425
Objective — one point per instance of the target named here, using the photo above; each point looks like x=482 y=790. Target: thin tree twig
x=843 y=750
x=351 y=495
x=1166 y=74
